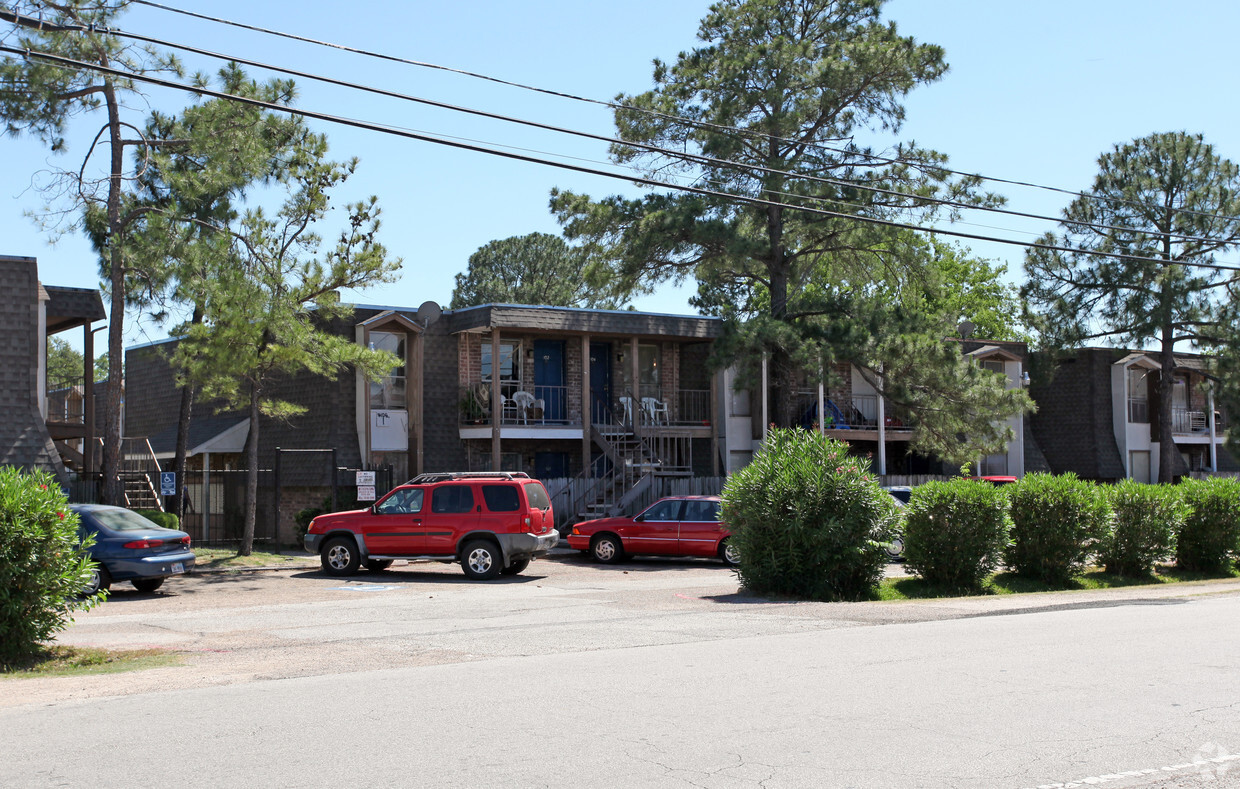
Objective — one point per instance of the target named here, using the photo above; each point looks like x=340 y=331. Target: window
x=995 y=465
x=663 y=511
x=509 y=361
x=647 y=368
x=452 y=499
x=401 y=502
x=701 y=511
x=501 y=498
x=994 y=365
x=740 y=402
x=537 y=495
x=1138 y=395
x=390 y=392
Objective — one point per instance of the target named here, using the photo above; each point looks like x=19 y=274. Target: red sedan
x=674 y=526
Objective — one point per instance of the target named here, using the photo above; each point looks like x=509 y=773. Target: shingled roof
x=68 y=308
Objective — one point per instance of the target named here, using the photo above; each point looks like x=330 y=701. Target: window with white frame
x=389 y=393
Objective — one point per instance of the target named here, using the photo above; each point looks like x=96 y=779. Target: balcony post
x=587 y=414
x=497 y=405
x=635 y=396
x=881 y=417
x=1213 y=432
x=88 y=400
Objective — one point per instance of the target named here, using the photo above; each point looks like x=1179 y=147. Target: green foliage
x=809 y=519
x=42 y=568
x=772 y=89
x=346 y=499
x=955 y=532
x=1057 y=521
x=1145 y=521
x=1209 y=539
x=167 y=520
x=538 y=268
x=1077 y=297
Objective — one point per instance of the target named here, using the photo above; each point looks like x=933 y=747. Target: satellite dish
x=429 y=312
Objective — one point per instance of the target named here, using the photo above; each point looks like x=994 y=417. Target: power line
x=697 y=158
x=678 y=119
x=203 y=91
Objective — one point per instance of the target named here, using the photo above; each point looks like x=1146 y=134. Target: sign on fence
x=365 y=478
x=365 y=486
x=167 y=483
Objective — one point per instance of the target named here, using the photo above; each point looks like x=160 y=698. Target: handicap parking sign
x=167 y=483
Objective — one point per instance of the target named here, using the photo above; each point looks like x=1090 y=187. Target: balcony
x=538 y=406
x=1189 y=422
x=859 y=412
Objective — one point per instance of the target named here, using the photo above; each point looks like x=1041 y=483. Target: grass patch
x=1009 y=583
x=66 y=661
x=226 y=558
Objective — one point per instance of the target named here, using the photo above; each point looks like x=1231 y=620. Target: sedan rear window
x=701 y=511
x=122 y=520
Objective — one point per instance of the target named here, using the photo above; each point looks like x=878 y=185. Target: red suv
x=491 y=523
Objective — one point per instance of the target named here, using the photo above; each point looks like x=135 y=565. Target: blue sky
x=1036 y=92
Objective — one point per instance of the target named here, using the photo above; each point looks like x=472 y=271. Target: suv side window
x=501 y=498
x=452 y=499
x=401 y=502
x=663 y=511
x=701 y=511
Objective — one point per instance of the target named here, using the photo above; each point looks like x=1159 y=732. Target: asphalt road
x=652 y=673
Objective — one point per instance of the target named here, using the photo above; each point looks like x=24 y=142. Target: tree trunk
x=251 y=476
x=113 y=488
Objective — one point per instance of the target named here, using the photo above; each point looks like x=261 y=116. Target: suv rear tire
x=517 y=567
x=481 y=560
x=340 y=556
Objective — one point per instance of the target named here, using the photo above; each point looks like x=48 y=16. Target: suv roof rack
x=443 y=476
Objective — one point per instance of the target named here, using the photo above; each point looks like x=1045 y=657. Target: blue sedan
x=128 y=547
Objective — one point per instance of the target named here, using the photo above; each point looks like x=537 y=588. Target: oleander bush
x=810 y=521
x=1057 y=523
x=1209 y=536
x=1144 y=522
x=42 y=568
x=955 y=532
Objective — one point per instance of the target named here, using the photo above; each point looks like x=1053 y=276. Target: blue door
x=549 y=380
x=600 y=383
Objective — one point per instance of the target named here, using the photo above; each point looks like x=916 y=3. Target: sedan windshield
x=122 y=520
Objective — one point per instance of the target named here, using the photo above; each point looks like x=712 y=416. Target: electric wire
x=687 y=121
x=917 y=200
x=365 y=125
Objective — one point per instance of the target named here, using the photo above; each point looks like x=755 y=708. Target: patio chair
x=655 y=410
x=523 y=402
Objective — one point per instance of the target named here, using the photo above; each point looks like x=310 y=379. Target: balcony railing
x=543 y=406
x=859 y=412
x=1184 y=420
x=65 y=402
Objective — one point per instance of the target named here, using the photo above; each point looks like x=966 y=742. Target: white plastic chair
x=627 y=402
x=656 y=410
x=524 y=401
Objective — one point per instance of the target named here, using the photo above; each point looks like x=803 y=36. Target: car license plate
x=178 y=567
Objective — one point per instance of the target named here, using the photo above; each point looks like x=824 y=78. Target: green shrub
x=808 y=519
x=955 y=532
x=303 y=517
x=167 y=520
x=1211 y=530
x=1057 y=522
x=42 y=568
x=1145 y=520
x=346 y=499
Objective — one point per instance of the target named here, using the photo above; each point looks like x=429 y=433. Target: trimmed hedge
x=1145 y=521
x=1209 y=537
x=1057 y=522
x=809 y=520
x=167 y=520
x=955 y=532
x=42 y=568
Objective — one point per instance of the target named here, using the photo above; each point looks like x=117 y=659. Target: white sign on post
x=365 y=492
x=365 y=478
